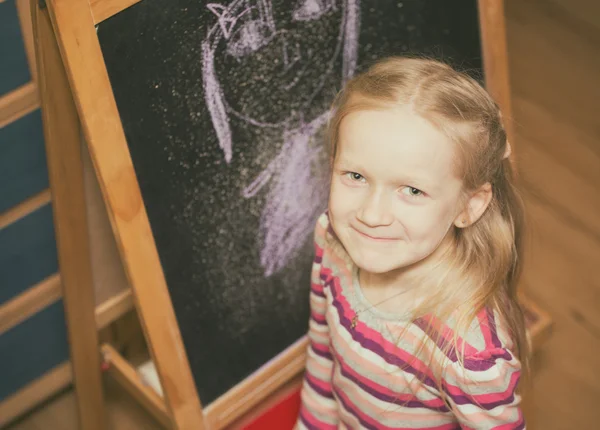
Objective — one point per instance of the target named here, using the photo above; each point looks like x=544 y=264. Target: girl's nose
x=375 y=210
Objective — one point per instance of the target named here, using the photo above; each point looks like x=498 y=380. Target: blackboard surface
x=223 y=106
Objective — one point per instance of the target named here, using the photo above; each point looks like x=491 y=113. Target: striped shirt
x=367 y=373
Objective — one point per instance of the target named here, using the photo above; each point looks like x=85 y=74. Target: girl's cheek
x=413 y=218
x=335 y=198
x=344 y=199
x=340 y=198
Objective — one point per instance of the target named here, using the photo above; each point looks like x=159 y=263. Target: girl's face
x=394 y=193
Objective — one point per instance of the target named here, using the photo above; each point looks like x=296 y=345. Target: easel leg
x=63 y=147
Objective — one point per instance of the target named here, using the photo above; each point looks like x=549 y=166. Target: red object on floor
x=282 y=416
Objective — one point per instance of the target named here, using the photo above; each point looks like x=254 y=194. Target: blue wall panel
x=23 y=169
x=32 y=348
x=27 y=253
x=14 y=70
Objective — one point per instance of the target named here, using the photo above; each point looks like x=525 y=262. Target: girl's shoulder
x=483 y=335
x=482 y=376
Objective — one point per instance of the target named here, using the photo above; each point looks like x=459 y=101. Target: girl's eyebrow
x=347 y=164
x=414 y=180
x=420 y=184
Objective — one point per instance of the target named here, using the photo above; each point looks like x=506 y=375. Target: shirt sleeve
x=318 y=409
x=482 y=391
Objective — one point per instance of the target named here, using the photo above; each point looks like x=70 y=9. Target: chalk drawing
x=245 y=28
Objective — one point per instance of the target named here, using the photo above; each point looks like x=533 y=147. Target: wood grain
x=540 y=330
x=34 y=393
x=113 y=308
x=104 y=135
x=126 y=375
x=63 y=152
x=554 y=68
x=24 y=208
x=24 y=99
x=28 y=303
x=492 y=22
x=18 y=103
x=104 y=9
x=24 y=12
x=110 y=280
x=59 y=413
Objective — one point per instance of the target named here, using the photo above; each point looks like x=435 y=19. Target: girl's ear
x=475 y=207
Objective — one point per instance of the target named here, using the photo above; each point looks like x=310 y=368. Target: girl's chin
x=377 y=266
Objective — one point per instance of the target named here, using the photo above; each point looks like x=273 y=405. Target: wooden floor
x=124 y=413
x=554 y=51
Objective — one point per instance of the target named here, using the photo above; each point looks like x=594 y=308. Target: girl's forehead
x=396 y=142
x=400 y=133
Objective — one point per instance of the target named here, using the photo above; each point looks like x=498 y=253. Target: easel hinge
x=42 y=4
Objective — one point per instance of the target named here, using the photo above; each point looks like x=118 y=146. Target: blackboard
x=223 y=106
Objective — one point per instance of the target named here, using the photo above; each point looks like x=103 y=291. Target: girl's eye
x=356 y=177
x=412 y=191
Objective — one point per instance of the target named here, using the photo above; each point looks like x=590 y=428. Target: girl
x=414 y=314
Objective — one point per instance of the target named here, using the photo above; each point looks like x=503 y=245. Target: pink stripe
x=322 y=385
x=314 y=421
x=489 y=398
x=317 y=289
x=363 y=418
x=320 y=318
x=485 y=329
x=365 y=365
x=373 y=335
x=319 y=367
x=318 y=251
x=447 y=334
x=371 y=423
x=384 y=391
x=320 y=347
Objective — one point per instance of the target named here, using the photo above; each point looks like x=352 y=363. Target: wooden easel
x=77 y=99
x=61 y=131
x=74 y=84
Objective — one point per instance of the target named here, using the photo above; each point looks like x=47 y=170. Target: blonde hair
x=484 y=265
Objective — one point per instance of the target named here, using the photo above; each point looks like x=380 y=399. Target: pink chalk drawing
x=260 y=50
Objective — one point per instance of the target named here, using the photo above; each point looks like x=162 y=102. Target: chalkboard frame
x=74 y=28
